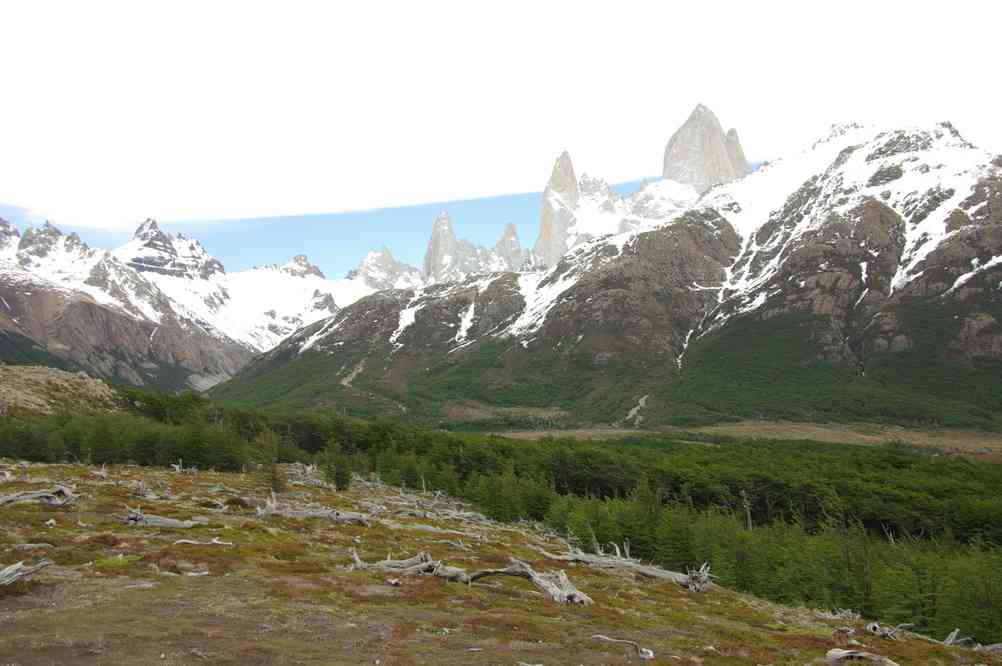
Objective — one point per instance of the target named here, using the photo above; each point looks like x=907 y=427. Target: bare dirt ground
x=284 y=591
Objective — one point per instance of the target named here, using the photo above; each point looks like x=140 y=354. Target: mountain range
x=857 y=278
x=860 y=278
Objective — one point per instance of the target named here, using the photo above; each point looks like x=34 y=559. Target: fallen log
x=57 y=496
x=837 y=656
x=555 y=584
x=645 y=654
x=420 y=563
x=272 y=508
x=618 y=564
x=18 y=571
x=136 y=517
x=215 y=541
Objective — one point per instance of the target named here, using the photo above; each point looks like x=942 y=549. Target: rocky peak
x=9 y=237
x=39 y=241
x=148 y=230
x=736 y=152
x=300 y=266
x=509 y=249
x=154 y=251
x=380 y=270
x=440 y=256
x=560 y=198
x=701 y=155
x=563 y=181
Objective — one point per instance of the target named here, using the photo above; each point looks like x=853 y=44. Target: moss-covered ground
x=284 y=592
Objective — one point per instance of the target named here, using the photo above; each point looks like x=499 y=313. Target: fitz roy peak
x=701 y=155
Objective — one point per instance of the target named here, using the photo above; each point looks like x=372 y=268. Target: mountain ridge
x=848 y=251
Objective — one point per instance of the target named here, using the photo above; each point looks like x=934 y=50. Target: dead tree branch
x=136 y=517
x=58 y=496
x=645 y=654
x=272 y=508
x=555 y=584
x=837 y=656
x=18 y=571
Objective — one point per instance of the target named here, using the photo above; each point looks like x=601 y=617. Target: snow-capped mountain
x=379 y=270
x=832 y=261
x=257 y=307
x=65 y=303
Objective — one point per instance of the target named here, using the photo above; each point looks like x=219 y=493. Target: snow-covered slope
x=923 y=175
x=258 y=307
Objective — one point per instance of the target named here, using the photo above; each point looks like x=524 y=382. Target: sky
x=216 y=115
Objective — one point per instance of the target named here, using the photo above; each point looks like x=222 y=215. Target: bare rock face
x=560 y=198
x=114 y=344
x=451 y=259
x=701 y=155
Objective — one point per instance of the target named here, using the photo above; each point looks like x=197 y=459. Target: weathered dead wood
x=58 y=496
x=555 y=584
x=700 y=579
x=101 y=473
x=422 y=562
x=618 y=564
x=32 y=546
x=215 y=541
x=272 y=508
x=644 y=654
x=955 y=639
x=6 y=476
x=994 y=648
x=838 y=656
x=18 y=571
x=420 y=527
x=136 y=517
x=889 y=633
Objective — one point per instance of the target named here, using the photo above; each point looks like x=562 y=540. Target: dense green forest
x=897 y=534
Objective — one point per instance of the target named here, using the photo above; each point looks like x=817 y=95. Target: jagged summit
x=153 y=250
x=560 y=198
x=300 y=266
x=509 y=248
x=147 y=230
x=700 y=154
x=379 y=270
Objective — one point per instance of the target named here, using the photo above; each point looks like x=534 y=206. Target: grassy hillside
x=752 y=368
x=769 y=369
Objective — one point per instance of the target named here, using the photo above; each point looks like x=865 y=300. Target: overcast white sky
x=111 y=112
